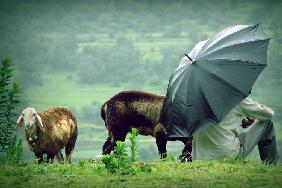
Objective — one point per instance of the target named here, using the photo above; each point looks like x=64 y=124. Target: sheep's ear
x=19 y=123
x=39 y=122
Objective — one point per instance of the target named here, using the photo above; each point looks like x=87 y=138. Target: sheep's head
x=31 y=120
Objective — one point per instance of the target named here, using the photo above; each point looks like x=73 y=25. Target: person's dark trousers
x=267 y=144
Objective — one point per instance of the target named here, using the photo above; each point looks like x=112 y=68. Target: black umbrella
x=213 y=78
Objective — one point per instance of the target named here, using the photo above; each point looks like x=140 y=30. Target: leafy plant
x=81 y=164
x=120 y=161
x=133 y=145
x=121 y=155
x=169 y=158
x=10 y=149
x=110 y=162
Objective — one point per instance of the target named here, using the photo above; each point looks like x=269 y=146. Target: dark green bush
x=10 y=148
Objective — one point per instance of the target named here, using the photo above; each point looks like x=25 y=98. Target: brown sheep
x=48 y=132
x=134 y=109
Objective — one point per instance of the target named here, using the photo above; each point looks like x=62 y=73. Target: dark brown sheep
x=134 y=109
x=50 y=131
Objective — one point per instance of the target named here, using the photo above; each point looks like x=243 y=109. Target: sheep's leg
x=69 y=158
x=187 y=150
x=68 y=150
x=110 y=143
x=50 y=158
x=118 y=136
x=70 y=147
x=161 y=141
x=39 y=156
x=108 y=146
x=60 y=157
x=68 y=154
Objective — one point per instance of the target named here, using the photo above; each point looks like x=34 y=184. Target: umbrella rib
x=232 y=34
x=245 y=61
x=206 y=45
x=177 y=74
x=234 y=44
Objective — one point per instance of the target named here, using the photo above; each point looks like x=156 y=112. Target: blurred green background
x=78 y=54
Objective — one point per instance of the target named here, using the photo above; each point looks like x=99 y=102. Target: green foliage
x=110 y=163
x=133 y=145
x=170 y=158
x=121 y=155
x=120 y=50
x=81 y=163
x=119 y=64
x=120 y=162
x=10 y=149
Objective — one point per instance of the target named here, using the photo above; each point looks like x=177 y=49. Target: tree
x=9 y=100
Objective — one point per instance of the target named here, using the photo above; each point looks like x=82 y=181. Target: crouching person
x=226 y=139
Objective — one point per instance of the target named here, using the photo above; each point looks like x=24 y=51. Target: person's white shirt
x=221 y=140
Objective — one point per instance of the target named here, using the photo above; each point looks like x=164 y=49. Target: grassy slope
x=163 y=174
x=59 y=90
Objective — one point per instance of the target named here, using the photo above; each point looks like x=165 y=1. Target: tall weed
x=123 y=163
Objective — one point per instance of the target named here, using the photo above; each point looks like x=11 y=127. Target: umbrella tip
x=257 y=25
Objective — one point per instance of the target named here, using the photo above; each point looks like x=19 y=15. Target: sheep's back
x=135 y=108
x=60 y=125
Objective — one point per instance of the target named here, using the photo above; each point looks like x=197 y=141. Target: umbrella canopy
x=213 y=78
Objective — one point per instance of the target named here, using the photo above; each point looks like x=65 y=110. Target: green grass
x=162 y=174
x=60 y=90
x=148 y=48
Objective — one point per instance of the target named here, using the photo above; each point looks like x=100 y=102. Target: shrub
x=123 y=163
